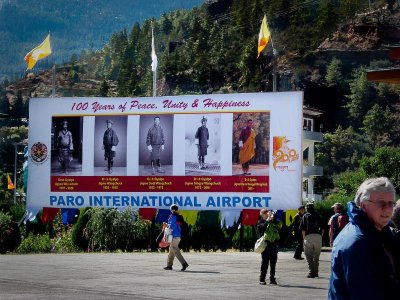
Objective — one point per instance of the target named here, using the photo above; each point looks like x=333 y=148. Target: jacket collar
x=358 y=217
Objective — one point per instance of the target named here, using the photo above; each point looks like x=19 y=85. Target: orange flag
x=264 y=36
x=10 y=184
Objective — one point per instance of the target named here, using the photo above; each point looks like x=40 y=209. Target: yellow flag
x=264 y=36
x=38 y=53
x=10 y=184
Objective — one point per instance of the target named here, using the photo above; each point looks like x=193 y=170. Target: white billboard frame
x=276 y=184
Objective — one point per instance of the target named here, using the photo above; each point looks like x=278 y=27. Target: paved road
x=140 y=276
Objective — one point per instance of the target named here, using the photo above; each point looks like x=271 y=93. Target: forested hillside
x=74 y=25
x=324 y=49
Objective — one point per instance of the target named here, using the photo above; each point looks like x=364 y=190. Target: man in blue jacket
x=174 y=223
x=364 y=256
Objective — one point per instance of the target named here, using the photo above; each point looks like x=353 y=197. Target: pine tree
x=104 y=88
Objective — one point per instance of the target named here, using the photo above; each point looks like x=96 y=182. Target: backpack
x=313 y=224
x=343 y=219
x=184 y=226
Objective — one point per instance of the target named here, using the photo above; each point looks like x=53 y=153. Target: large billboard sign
x=202 y=152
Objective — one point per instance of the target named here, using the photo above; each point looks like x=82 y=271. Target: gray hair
x=381 y=184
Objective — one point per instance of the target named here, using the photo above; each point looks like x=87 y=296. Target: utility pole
x=16 y=153
x=53 y=81
x=274 y=83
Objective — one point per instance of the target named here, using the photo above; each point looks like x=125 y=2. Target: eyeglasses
x=383 y=204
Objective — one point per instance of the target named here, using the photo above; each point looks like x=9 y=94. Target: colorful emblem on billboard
x=39 y=152
x=283 y=155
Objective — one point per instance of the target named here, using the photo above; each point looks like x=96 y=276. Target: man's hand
x=240 y=144
x=149 y=147
x=162 y=147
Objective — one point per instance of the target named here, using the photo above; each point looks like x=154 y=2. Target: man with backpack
x=175 y=220
x=312 y=230
x=337 y=222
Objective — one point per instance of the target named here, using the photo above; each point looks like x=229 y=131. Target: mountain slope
x=74 y=25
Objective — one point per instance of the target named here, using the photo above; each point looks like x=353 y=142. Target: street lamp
x=16 y=153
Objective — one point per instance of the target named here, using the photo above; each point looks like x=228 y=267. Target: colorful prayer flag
x=147 y=213
x=10 y=184
x=38 y=53
x=49 y=214
x=250 y=216
x=264 y=36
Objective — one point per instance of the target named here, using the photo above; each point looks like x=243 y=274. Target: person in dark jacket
x=65 y=147
x=202 y=137
x=312 y=230
x=269 y=226
x=364 y=255
x=296 y=231
x=110 y=142
x=155 y=144
x=175 y=226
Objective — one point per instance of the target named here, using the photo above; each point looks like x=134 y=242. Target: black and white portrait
x=156 y=145
x=203 y=144
x=110 y=148
x=66 y=146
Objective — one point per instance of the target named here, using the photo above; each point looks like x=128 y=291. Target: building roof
x=384 y=75
x=391 y=75
x=312 y=111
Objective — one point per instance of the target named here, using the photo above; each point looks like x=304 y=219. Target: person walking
x=296 y=231
x=110 y=142
x=268 y=226
x=202 y=137
x=365 y=258
x=155 y=144
x=337 y=222
x=247 y=144
x=175 y=226
x=312 y=230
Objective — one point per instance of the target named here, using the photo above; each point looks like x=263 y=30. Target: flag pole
x=274 y=78
x=15 y=173
x=154 y=62
x=155 y=83
x=53 y=80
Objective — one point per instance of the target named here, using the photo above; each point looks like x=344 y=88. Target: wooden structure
x=391 y=75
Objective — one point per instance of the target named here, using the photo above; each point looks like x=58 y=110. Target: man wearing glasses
x=365 y=256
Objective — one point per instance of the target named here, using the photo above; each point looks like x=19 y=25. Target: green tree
x=347 y=183
x=362 y=95
x=73 y=77
x=384 y=162
x=108 y=229
x=334 y=76
x=19 y=109
x=104 y=88
x=379 y=126
x=340 y=151
x=326 y=19
x=348 y=8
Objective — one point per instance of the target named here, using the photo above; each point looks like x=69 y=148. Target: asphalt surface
x=230 y=275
